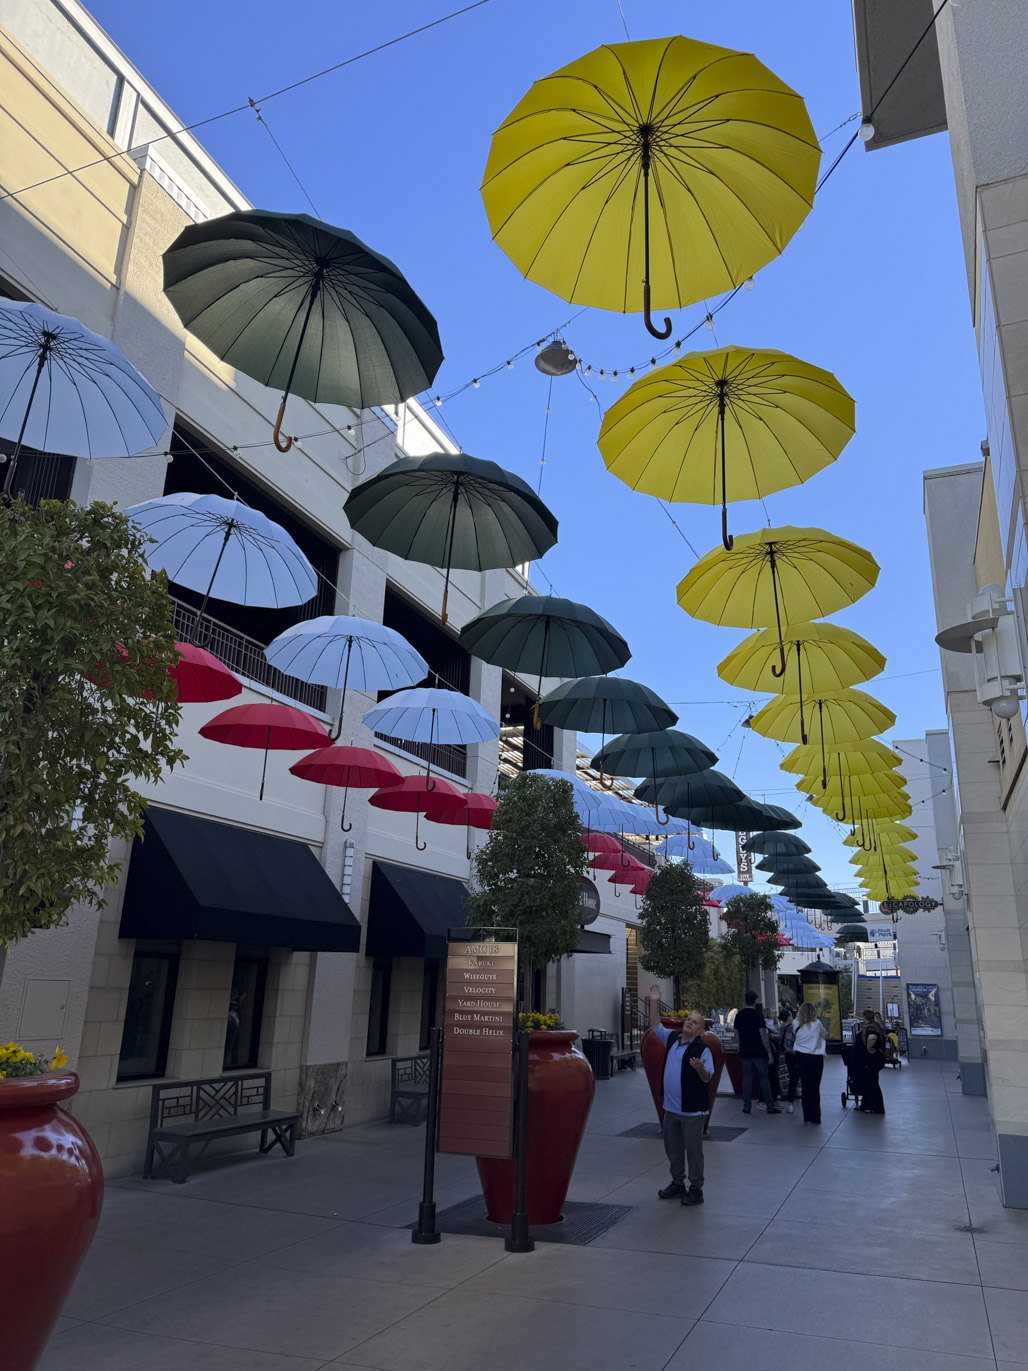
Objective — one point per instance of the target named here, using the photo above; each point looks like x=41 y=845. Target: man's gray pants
x=683 y=1143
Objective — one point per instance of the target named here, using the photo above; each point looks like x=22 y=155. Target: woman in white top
x=809 y=1046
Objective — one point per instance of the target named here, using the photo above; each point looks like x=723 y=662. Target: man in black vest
x=688 y=1066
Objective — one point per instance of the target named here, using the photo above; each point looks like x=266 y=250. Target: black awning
x=195 y=878
x=588 y=941
x=410 y=911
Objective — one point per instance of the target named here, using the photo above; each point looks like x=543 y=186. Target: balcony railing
x=243 y=655
x=443 y=756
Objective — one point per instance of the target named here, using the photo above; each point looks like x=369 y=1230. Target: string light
x=866 y=131
x=475 y=383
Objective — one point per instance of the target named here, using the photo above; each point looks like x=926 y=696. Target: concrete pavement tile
x=726 y=1196
x=405 y=1211
x=871 y=1250
x=1008 y=1319
x=718 y=1345
x=63 y=1324
x=832 y=1169
x=701 y=1232
x=115 y=1274
x=297 y=1313
x=601 y=1277
x=925 y=1315
x=1002 y=1264
x=387 y=1254
x=456 y=1333
x=99 y=1347
x=920 y=1213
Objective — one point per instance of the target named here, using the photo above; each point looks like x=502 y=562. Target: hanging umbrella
x=65 y=389
x=605 y=704
x=471 y=809
x=198 y=675
x=886 y=835
x=791 y=865
x=819 y=657
x=605 y=852
x=731 y=419
x=730 y=817
x=629 y=875
x=700 y=853
x=451 y=510
x=665 y=752
x=841 y=716
x=689 y=792
x=596 y=813
x=845 y=795
x=224 y=549
x=723 y=893
x=729 y=150
x=414 y=795
x=893 y=856
x=775 y=842
x=342 y=652
x=431 y=716
x=302 y=306
x=868 y=758
x=543 y=635
x=357 y=768
x=267 y=726
x=777 y=576
x=776 y=817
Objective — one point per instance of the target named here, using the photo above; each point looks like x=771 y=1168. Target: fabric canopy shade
x=733 y=818
x=67 y=390
x=267 y=726
x=452 y=510
x=544 y=635
x=774 y=842
x=700 y=853
x=605 y=704
x=411 y=912
x=728 y=147
x=303 y=307
x=777 y=576
x=731 y=423
x=358 y=768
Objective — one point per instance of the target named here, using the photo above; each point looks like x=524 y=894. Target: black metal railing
x=243 y=655
x=443 y=756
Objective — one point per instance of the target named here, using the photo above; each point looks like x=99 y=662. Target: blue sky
x=873 y=289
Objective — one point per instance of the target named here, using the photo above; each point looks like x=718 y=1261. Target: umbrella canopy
x=65 y=389
x=605 y=704
x=414 y=795
x=790 y=865
x=341 y=651
x=597 y=813
x=730 y=423
x=868 y=758
x=852 y=933
x=545 y=635
x=655 y=754
x=200 y=678
x=886 y=835
x=678 y=793
x=268 y=726
x=723 y=893
x=894 y=806
x=225 y=550
x=346 y=767
x=472 y=809
x=777 y=817
x=698 y=851
x=777 y=576
x=304 y=307
x=739 y=817
x=426 y=715
x=728 y=147
x=451 y=510
x=838 y=717
x=896 y=856
x=766 y=841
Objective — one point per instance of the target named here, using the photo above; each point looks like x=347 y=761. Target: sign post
x=518 y=1239
x=743 y=860
x=426 y=1232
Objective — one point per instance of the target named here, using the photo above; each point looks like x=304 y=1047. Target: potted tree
x=752 y=935
x=526 y=877
x=674 y=939
x=81 y=718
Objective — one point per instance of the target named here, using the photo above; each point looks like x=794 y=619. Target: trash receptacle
x=597 y=1053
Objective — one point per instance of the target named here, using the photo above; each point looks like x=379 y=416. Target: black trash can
x=597 y=1053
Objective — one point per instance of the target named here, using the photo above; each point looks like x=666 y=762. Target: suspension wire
x=279 y=149
x=546 y=429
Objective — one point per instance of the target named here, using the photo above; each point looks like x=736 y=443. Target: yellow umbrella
x=818 y=657
x=842 y=716
x=894 y=806
x=884 y=835
x=728 y=147
x=855 y=790
x=869 y=758
x=777 y=576
x=740 y=419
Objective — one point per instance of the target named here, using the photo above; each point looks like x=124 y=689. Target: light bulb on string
x=866 y=131
x=475 y=383
x=438 y=401
x=510 y=366
x=749 y=283
x=708 y=323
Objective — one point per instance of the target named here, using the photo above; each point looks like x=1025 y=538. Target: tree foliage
x=81 y=718
x=721 y=983
x=527 y=874
x=752 y=931
x=675 y=931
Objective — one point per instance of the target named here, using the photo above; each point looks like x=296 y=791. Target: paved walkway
x=867 y=1243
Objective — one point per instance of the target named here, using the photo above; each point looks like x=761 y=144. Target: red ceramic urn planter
x=51 y=1190
x=653 y=1054
x=560 y=1095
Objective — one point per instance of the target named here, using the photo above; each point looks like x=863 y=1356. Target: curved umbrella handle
x=277 y=431
x=342 y=818
x=656 y=814
x=726 y=537
x=648 y=320
x=779 y=671
x=417 y=841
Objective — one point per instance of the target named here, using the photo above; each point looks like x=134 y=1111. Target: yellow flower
x=59 y=1059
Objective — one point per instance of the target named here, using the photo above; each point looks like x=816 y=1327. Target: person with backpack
x=789 y=1052
x=754 y=1053
x=688 y=1067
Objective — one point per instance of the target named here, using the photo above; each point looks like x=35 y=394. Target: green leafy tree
x=675 y=931
x=527 y=874
x=752 y=931
x=81 y=717
x=721 y=983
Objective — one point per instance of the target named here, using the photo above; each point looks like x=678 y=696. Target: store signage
x=880 y=933
x=743 y=860
x=588 y=901
x=923 y=1012
x=476 y=1092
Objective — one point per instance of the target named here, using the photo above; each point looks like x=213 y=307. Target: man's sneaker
x=745 y=1111
x=789 y=1109
x=672 y=1191
x=774 y=1111
x=695 y=1196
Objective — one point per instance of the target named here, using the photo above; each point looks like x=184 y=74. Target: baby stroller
x=850 y=1092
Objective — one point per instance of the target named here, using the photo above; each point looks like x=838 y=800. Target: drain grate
x=715 y=1133
x=580 y=1225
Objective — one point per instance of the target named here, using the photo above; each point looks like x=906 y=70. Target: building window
x=523 y=747
x=378 y=1008
x=151 y=1000
x=39 y=475
x=429 y=1002
x=245 y=1010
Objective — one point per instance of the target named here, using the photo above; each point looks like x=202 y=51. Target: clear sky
x=873 y=289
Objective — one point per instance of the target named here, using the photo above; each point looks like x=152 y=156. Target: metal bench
x=622 y=1057
x=188 y=1115
x=408 y=1101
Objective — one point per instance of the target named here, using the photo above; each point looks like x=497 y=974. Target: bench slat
x=236 y=1123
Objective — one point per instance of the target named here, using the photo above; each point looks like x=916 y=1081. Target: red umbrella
x=200 y=677
x=601 y=842
x=473 y=810
x=606 y=852
x=414 y=795
x=282 y=727
x=628 y=873
x=358 y=767
x=708 y=903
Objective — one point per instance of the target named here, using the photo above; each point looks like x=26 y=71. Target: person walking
x=754 y=1053
x=774 y=1042
x=789 y=1052
x=809 y=1046
x=866 y=1062
x=688 y=1067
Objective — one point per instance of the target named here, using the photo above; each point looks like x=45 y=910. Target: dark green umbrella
x=655 y=754
x=690 y=792
x=452 y=510
x=851 y=933
x=776 y=818
x=767 y=841
x=607 y=704
x=787 y=864
x=737 y=817
x=304 y=307
x=543 y=635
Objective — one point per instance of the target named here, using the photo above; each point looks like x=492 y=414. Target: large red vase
x=560 y=1095
x=51 y=1190
x=653 y=1054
